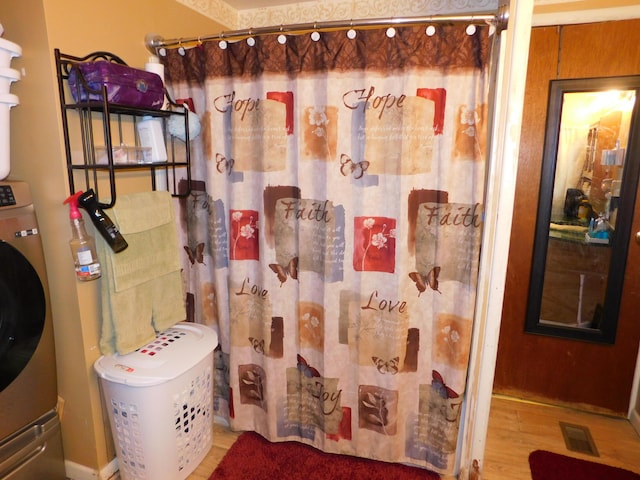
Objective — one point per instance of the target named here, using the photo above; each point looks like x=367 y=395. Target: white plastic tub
x=7 y=101
x=8 y=50
x=160 y=401
x=7 y=77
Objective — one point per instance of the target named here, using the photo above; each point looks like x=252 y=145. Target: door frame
x=506 y=120
x=498 y=218
x=634 y=414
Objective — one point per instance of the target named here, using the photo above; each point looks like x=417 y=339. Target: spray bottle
x=82 y=245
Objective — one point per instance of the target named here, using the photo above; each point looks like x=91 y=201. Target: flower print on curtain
x=338 y=198
x=244 y=235
x=375 y=246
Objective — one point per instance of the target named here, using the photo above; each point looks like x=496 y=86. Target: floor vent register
x=578 y=439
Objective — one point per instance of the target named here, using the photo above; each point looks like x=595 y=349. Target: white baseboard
x=75 y=471
x=635 y=420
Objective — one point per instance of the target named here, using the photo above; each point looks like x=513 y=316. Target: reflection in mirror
x=584 y=219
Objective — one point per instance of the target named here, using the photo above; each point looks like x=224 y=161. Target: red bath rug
x=553 y=466
x=252 y=457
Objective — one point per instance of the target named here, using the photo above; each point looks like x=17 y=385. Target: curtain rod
x=155 y=42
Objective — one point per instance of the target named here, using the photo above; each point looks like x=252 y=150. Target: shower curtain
x=332 y=233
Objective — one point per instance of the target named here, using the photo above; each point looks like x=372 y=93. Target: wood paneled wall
x=534 y=366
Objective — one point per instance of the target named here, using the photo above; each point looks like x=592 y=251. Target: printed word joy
x=368 y=99
x=329 y=401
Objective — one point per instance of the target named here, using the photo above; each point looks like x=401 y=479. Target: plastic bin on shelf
x=160 y=403
x=8 y=51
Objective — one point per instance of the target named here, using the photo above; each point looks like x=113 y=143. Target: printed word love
x=384 y=305
x=252 y=289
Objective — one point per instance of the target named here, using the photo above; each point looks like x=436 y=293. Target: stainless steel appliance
x=30 y=439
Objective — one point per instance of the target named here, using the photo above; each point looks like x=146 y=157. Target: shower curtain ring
x=351 y=33
x=315 y=35
x=223 y=43
x=282 y=38
x=250 y=40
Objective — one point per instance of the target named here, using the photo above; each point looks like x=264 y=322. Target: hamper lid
x=173 y=352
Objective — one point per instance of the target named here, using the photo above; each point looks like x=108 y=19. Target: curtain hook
x=250 y=40
x=430 y=30
x=223 y=43
x=351 y=33
x=471 y=29
x=391 y=32
x=181 y=49
x=282 y=38
x=199 y=44
x=315 y=35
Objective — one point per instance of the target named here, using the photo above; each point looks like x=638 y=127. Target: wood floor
x=516 y=428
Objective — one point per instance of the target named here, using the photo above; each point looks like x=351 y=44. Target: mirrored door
x=587 y=193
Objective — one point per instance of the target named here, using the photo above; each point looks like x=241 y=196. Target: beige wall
x=76 y=27
x=37 y=156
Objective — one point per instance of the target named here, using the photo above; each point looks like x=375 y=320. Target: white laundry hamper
x=160 y=403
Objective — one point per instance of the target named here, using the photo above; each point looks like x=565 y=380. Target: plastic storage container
x=8 y=51
x=160 y=403
x=122 y=155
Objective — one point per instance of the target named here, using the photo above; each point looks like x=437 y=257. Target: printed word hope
x=353 y=99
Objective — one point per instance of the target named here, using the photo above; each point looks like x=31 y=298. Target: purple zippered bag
x=125 y=85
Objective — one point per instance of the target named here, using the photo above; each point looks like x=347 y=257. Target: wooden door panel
x=593 y=376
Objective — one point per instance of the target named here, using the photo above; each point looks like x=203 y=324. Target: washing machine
x=30 y=439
